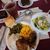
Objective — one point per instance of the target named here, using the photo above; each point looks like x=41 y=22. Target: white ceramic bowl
x=37 y=15
x=8 y=31
x=20 y=4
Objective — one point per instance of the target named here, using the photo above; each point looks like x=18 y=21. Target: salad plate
x=41 y=22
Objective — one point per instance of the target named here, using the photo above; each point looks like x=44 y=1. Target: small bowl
x=7 y=34
x=20 y=4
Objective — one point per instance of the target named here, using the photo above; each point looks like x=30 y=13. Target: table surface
x=43 y=44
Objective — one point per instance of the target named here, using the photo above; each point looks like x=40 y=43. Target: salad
x=41 y=23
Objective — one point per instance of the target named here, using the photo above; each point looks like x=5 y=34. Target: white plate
x=37 y=15
x=8 y=44
x=20 y=4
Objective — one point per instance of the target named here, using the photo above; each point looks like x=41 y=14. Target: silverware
x=2 y=36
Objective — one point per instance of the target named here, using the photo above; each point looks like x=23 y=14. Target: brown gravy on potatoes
x=24 y=43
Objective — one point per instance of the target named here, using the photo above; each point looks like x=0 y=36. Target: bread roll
x=10 y=21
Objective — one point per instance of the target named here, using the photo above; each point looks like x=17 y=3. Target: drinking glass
x=11 y=9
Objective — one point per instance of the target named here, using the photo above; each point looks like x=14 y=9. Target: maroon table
x=43 y=44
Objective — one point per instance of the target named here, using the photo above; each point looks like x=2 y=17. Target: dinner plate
x=37 y=15
x=15 y=48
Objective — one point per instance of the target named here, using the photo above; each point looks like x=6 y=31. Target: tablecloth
x=43 y=44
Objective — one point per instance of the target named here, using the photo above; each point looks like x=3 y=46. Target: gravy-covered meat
x=21 y=46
